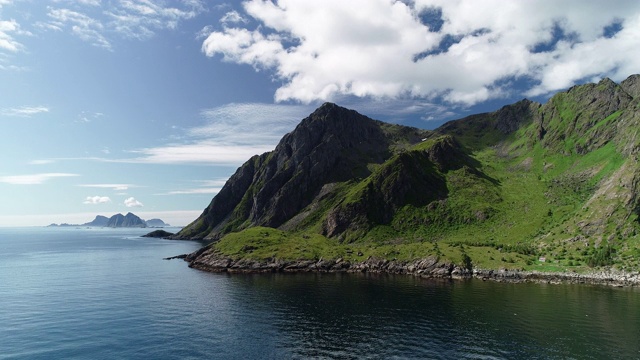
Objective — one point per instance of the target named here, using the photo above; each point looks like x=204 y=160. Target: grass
x=516 y=200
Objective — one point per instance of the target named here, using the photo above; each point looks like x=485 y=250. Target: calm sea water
x=107 y=294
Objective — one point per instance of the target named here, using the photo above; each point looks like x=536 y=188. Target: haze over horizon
x=111 y=106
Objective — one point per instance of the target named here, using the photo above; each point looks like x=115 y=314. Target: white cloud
x=87 y=117
x=97 y=200
x=80 y=2
x=89 y=2
x=250 y=123
x=211 y=187
x=34 y=179
x=380 y=48
x=24 y=111
x=7 y=41
x=81 y=25
x=211 y=191
x=41 y=162
x=136 y=19
x=204 y=32
x=140 y=19
x=131 y=202
x=233 y=17
x=115 y=187
x=232 y=134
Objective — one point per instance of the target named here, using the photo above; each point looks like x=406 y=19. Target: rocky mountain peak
x=333 y=144
x=632 y=85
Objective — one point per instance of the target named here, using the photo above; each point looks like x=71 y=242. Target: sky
x=115 y=106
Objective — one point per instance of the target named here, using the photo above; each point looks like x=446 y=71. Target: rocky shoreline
x=208 y=260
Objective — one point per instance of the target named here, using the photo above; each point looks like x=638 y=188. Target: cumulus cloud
x=132 y=202
x=34 y=179
x=462 y=51
x=24 y=111
x=97 y=200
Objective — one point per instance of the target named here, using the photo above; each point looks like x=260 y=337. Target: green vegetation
x=536 y=187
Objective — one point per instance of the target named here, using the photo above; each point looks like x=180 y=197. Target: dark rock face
x=332 y=145
x=632 y=85
x=341 y=173
x=159 y=234
x=574 y=113
x=129 y=220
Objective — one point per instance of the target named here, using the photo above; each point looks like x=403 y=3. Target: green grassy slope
x=549 y=187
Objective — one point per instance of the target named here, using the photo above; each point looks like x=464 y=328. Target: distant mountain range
x=118 y=221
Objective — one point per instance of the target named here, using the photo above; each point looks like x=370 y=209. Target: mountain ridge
x=535 y=180
x=118 y=220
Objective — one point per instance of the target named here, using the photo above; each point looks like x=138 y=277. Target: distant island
x=118 y=221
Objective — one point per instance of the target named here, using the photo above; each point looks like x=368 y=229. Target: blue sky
x=112 y=106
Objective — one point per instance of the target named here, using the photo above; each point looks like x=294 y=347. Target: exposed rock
x=351 y=178
x=632 y=85
x=431 y=267
x=159 y=234
x=332 y=145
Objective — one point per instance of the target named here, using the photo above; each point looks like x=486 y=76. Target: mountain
x=536 y=186
x=129 y=220
x=156 y=223
x=118 y=220
x=99 y=221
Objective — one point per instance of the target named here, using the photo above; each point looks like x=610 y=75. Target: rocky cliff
x=333 y=145
x=554 y=183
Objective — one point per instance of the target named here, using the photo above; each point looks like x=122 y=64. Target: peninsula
x=534 y=188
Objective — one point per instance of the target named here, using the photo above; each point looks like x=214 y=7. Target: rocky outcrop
x=331 y=145
x=573 y=114
x=210 y=260
x=431 y=267
x=540 y=174
x=161 y=234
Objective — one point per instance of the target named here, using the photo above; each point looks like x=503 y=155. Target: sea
x=78 y=293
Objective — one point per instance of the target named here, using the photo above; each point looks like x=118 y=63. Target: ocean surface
x=68 y=293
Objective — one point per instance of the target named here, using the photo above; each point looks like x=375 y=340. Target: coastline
x=211 y=261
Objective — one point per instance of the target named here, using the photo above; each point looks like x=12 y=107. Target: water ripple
x=101 y=294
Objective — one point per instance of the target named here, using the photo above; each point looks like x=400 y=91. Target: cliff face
x=332 y=145
x=555 y=177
